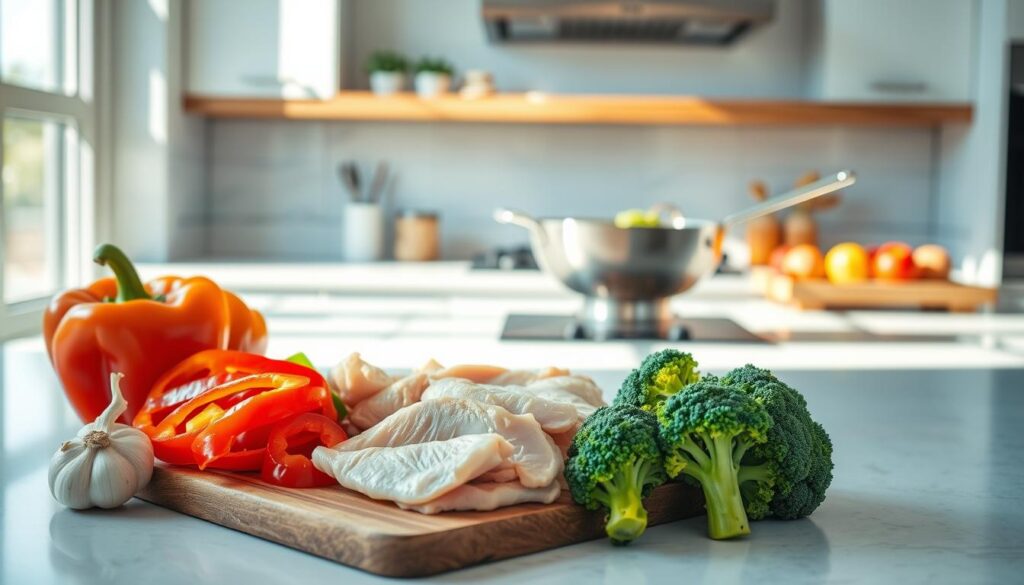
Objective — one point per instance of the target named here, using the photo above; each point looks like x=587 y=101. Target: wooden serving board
x=921 y=294
x=376 y=536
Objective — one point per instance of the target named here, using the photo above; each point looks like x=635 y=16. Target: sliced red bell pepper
x=287 y=462
x=215 y=409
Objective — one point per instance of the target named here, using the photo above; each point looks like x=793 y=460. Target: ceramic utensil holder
x=363 y=232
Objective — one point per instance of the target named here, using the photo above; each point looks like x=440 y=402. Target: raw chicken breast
x=579 y=391
x=356 y=380
x=524 y=377
x=431 y=367
x=474 y=372
x=486 y=496
x=564 y=440
x=383 y=404
x=554 y=417
x=536 y=458
x=498 y=475
x=414 y=474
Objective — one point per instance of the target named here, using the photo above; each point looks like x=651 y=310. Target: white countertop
x=929 y=444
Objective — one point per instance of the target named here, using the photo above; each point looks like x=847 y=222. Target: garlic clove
x=113 y=479
x=134 y=446
x=71 y=474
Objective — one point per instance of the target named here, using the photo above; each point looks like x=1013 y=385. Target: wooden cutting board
x=921 y=294
x=376 y=536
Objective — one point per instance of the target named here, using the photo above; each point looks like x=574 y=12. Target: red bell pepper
x=287 y=462
x=216 y=408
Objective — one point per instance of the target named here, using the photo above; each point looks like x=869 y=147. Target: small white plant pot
x=431 y=85
x=363 y=233
x=386 y=82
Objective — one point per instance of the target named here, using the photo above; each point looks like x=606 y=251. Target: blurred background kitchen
x=338 y=163
x=277 y=133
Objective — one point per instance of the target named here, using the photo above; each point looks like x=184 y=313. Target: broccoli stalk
x=614 y=462
x=706 y=432
x=717 y=476
x=659 y=376
x=622 y=494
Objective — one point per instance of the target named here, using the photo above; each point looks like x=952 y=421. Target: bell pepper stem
x=129 y=285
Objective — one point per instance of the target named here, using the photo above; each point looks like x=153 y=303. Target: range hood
x=685 y=22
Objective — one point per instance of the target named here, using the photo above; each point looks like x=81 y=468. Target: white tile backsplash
x=280 y=177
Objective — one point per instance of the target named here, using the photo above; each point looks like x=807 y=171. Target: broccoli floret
x=705 y=432
x=614 y=462
x=787 y=476
x=659 y=376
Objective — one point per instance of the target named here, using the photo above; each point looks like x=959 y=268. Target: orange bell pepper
x=120 y=325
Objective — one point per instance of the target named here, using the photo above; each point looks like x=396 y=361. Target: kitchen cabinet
x=264 y=48
x=886 y=51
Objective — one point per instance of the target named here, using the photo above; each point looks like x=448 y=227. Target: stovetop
x=698 y=329
x=568 y=328
x=517 y=258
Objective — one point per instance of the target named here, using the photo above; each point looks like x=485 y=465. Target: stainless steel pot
x=628 y=274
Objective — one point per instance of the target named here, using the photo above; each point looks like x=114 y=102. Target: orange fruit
x=803 y=262
x=847 y=263
x=932 y=261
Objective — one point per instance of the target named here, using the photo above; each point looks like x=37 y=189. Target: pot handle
x=516 y=217
x=830 y=183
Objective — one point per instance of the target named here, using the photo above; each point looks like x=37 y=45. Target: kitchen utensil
x=764 y=233
x=380 y=179
x=800 y=226
x=378 y=537
x=363 y=232
x=628 y=274
x=348 y=172
x=416 y=236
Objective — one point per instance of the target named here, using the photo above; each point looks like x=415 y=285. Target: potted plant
x=387 y=72
x=433 y=77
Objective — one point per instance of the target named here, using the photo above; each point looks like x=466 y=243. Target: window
x=31 y=41
x=32 y=185
x=47 y=138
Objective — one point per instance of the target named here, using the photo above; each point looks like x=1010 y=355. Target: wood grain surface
x=539 y=108
x=376 y=536
x=924 y=294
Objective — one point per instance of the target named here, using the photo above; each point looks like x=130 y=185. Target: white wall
x=972 y=158
x=158 y=153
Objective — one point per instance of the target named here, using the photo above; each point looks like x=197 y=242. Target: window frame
x=81 y=80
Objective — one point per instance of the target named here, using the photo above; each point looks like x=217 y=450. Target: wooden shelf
x=535 y=108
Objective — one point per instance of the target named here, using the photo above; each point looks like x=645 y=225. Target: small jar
x=416 y=236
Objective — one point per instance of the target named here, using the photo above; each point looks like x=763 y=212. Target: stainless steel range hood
x=685 y=22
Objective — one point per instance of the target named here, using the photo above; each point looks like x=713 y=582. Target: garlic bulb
x=106 y=463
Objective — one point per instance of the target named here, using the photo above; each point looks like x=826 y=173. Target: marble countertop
x=929 y=448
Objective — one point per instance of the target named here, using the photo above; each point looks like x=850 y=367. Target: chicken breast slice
x=498 y=475
x=487 y=496
x=383 y=404
x=431 y=367
x=536 y=458
x=553 y=416
x=582 y=387
x=579 y=391
x=474 y=372
x=355 y=380
x=414 y=474
x=524 y=377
